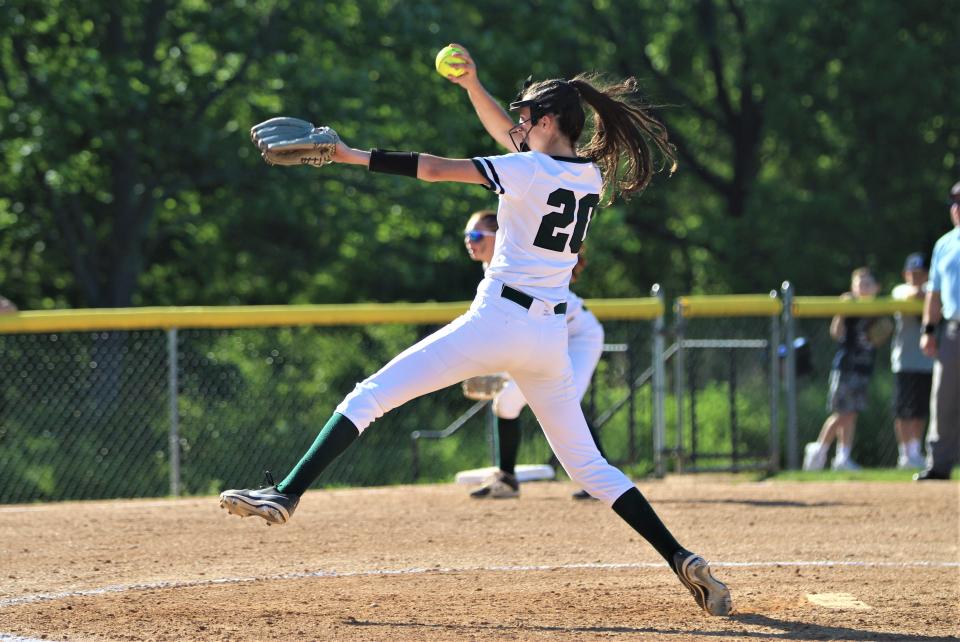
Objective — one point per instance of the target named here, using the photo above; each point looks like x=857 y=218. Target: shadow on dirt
x=789 y=630
x=795 y=630
x=761 y=503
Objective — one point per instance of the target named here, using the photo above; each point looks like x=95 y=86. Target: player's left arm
x=457 y=170
x=432 y=169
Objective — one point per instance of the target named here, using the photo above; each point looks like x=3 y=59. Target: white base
x=525 y=473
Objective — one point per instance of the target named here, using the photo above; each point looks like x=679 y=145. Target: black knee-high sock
x=635 y=510
x=508 y=434
x=596 y=437
x=337 y=434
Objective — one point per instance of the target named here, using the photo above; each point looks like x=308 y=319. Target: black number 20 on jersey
x=547 y=236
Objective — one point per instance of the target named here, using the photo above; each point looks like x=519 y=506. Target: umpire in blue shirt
x=941 y=340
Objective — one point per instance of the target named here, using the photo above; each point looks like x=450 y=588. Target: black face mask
x=522 y=146
x=554 y=100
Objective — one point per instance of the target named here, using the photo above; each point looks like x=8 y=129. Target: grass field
x=867 y=474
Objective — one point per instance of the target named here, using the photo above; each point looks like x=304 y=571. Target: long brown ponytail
x=625 y=136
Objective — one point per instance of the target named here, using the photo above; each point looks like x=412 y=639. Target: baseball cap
x=915 y=261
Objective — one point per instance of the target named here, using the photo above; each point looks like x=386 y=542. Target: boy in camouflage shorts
x=849 y=380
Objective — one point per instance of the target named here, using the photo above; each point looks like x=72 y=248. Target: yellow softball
x=447 y=55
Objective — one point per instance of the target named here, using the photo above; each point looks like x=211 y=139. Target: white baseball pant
x=498 y=335
x=584 y=345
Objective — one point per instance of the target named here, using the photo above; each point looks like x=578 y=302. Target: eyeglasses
x=475 y=236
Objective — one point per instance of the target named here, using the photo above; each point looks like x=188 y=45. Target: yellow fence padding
x=728 y=305
x=611 y=309
x=645 y=308
x=279 y=315
x=828 y=306
x=759 y=305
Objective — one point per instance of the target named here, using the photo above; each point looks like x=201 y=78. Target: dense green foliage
x=813 y=136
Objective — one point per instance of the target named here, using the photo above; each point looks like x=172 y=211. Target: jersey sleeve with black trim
x=509 y=175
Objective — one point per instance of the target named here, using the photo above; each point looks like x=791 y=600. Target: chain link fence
x=748 y=382
x=723 y=404
x=92 y=414
x=99 y=414
x=83 y=415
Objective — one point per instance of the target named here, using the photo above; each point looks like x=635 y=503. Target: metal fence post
x=790 y=377
x=632 y=404
x=415 y=454
x=774 y=464
x=732 y=392
x=679 y=371
x=493 y=438
x=659 y=394
x=174 y=412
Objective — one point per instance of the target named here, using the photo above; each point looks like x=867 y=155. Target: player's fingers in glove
x=283 y=146
x=281 y=121
x=281 y=130
x=302 y=146
x=324 y=140
x=278 y=135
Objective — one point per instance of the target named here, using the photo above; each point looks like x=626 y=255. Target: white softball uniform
x=514 y=324
x=584 y=345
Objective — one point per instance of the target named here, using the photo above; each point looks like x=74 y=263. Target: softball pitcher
x=548 y=192
x=584 y=345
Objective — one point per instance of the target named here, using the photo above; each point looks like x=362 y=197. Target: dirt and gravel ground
x=426 y=563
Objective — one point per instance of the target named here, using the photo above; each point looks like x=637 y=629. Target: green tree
x=801 y=127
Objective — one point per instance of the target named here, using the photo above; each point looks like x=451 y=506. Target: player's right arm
x=492 y=115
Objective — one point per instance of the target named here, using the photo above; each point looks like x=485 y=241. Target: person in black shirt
x=849 y=380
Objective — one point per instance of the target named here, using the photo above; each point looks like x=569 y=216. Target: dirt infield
x=427 y=563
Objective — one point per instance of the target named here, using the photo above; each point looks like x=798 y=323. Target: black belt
x=525 y=300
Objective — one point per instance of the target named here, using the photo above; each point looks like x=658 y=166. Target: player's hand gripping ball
x=447 y=55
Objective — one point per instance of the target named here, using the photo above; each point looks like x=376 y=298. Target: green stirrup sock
x=332 y=440
x=635 y=510
x=508 y=434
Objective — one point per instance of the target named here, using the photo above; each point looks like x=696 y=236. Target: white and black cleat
x=268 y=503
x=711 y=594
x=499 y=485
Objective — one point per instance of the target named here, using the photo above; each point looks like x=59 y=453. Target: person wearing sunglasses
x=584 y=343
x=547 y=195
